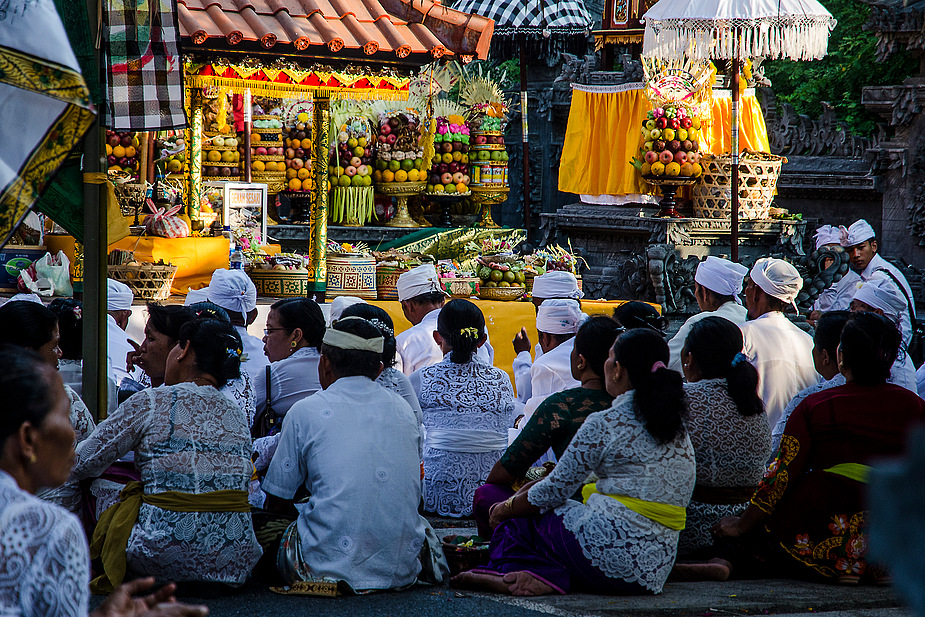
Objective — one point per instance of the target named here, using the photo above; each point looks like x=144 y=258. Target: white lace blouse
x=44 y=562
x=68 y=494
x=467 y=410
x=190 y=439
x=614 y=445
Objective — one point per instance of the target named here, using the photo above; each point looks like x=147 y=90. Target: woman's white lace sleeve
x=582 y=457
x=115 y=436
x=81 y=418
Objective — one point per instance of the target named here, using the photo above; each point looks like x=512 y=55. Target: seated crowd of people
x=739 y=447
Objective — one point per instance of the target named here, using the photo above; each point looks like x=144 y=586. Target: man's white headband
x=346 y=340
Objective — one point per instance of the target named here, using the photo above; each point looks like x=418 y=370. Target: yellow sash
x=672 y=517
x=854 y=471
x=110 y=538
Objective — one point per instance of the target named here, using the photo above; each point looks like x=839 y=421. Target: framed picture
x=243 y=205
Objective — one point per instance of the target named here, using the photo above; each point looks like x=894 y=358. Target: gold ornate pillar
x=318 y=271
x=194 y=153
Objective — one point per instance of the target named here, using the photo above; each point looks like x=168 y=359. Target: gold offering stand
x=669 y=186
x=401 y=191
x=486 y=197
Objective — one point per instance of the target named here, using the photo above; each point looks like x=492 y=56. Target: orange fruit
x=306 y=144
x=414 y=175
x=672 y=169
x=295 y=184
x=377 y=176
x=118 y=152
x=401 y=175
x=108 y=150
x=462 y=188
x=290 y=174
x=388 y=176
x=255 y=137
x=303 y=173
x=130 y=151
x=258 y=165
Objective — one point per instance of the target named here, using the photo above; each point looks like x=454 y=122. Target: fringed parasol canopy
x=727 y=29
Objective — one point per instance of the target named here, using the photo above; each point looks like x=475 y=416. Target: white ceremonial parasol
x=737 y=30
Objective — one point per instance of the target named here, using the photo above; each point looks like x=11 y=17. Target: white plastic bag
x=52 y=276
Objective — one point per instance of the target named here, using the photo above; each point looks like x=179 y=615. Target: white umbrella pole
x=734 y=180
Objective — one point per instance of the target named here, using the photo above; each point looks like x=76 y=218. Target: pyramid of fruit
x=671 y=143
x=501 y=271
x=399 y=155
x=488 y=110
x=122 y=152
x=171 y=155
x=268 y=162
x=350 y=172
x=449 y=170
x=220 y=156
x=298 y=155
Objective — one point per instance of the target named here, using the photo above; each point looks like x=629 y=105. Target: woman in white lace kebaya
x=727 y=425
x=468 y=407
x=189 y=515
x=44 y=562
x=622 y=537
x=390 y=378
x=32 y=326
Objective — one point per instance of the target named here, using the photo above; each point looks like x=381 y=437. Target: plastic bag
x=49 y=275
x=163 y=223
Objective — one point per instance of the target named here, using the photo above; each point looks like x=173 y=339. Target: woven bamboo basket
x=280 y=283
x=351 y=275
x=147 y=281
x=387 y=281
x=503 y=294
x=758 y=174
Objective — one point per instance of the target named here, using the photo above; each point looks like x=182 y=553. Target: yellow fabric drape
x=110 y=538
x=753 y=133
x=601 y=138
x=116 y=225
x=853 y=471
x=672 y=517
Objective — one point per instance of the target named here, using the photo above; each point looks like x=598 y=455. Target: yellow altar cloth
x=753 y=133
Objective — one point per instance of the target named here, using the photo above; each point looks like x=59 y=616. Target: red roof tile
x=399 y=27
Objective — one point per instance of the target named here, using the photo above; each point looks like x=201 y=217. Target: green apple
x=650 y=124
x=655 y=134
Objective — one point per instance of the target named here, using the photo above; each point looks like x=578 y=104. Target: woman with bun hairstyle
x=188 y=519
x=622 y=537
x=727 y=425
x=556 y=420
x=467 y=407
x=808 y=517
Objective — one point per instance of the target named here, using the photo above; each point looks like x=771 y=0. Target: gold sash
x=672 y=517
x=110 y=538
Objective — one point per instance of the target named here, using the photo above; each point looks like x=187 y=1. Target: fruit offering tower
x=449 y=170
x=171 y=156
x=298 y=154
x=671 y=143
x=268 y=162
x=488 y=108
x=350 y=172
x=122 y=152
x=221 y=159
x=399 y=156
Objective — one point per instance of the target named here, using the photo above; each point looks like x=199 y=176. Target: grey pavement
x=781 y=598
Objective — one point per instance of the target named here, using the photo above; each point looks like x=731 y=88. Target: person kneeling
x=355 y=447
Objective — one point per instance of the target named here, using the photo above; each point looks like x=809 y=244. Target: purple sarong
x=542 y=546
x=485 y=497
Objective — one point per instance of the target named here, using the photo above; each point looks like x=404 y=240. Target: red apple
x=687 y=145
x=385 y=129
x=261 y=151
x=446 y=178
x=299 y=153
x=661 y=123
x=112 y=161
x=659 y=145
x=674 y=145
x=651 y=156
x=665 y=157
x=126 y=140
x=113 y=140
x=686 y=123
x=693 y=157
x=680 y=157
x=481 y=140
x=290 y=153
x=390 y=139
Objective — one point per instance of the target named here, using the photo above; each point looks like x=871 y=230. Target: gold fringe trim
x=277 y=90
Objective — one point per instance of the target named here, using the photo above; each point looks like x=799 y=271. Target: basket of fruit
x=465 y=552
x=148 y=281
x=283 y=275
x=758 y=174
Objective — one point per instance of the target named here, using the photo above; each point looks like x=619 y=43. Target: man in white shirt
x=119 y=299
x=779 y=350
x=235 y=292
x=361 y=525
x=421 y=299
x=880 y=295
x=552 y=285
x=860 y=241
x=717 y=286
x=557 y=321
x=828 y=236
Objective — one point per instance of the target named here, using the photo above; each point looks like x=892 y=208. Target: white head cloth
x=880 y=292
x=118 y=296
x=557 y=316
x=556 y=284
x=340 y=304
x=827 y=234
x=233 y=290
x=721 y=276
x=27 y=298
x=195 y=296
x=859 y=231
x=777 y=278
x=346 y=340
x=417 y=282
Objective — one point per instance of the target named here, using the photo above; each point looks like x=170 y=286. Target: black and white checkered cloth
x=143 y=71
x=531 y=16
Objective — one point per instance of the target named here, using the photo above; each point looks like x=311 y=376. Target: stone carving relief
x=575 y=69
x=791 y=133
x=672 y=278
